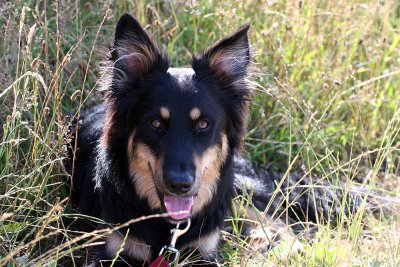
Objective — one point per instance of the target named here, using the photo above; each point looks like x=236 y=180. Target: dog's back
x=88 y=130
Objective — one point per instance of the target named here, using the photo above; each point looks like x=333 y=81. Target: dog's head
x=179 y=124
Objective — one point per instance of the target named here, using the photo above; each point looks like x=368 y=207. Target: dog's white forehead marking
x=181 y=74
x=165 y=113
x=181 y=71
x=195 y=113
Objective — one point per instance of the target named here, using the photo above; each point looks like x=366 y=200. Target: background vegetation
x=326 y=101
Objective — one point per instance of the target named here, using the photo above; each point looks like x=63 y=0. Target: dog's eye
x=202 y=124
x=156 y=124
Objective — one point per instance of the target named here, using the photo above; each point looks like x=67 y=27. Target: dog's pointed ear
x=132 y=57
x=134 y=54
x=229 y=58
x=228 y=61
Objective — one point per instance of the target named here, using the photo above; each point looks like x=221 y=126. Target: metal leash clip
x=170 y=251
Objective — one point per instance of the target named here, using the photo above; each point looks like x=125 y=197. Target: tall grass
x=326 y=101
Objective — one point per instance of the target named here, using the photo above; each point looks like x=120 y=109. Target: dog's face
x=177 y=143
x=180 y=124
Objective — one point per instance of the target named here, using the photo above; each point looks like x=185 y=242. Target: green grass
x=326 y=101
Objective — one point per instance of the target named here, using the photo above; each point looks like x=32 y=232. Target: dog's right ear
x=132 y=57
x=134 y=54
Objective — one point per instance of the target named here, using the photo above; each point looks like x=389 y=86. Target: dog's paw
x=272 y=236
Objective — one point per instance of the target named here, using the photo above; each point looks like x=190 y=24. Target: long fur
x=111 y=186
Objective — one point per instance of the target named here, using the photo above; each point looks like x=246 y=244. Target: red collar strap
x=160 y=261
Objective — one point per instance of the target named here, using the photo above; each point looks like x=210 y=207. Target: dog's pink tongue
x=178 y=207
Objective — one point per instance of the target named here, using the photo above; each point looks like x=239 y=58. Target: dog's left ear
x=228 y=61
x=229 y=58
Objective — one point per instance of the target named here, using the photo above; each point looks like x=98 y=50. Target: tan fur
x=133 y=247
x=141 y=167
x=195 y=114
x=271 y=232
x=165 y=114
x=225 y=61
x=206 y=244
x=138 y=57
x=108 y=128
x=145 y=167
x=208 y=171
x=264 y=231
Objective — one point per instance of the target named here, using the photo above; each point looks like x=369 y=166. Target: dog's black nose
x=178 y=182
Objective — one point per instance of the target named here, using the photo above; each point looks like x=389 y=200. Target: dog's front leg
x=205 y=250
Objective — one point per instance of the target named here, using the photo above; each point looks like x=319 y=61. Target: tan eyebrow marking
x=195 y=114
x=164 y=113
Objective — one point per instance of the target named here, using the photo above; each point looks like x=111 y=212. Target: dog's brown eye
x=156 y=124
x=202 y=124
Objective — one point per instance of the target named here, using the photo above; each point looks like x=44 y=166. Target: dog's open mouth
x=178 y=207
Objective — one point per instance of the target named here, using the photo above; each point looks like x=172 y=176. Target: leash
x=170 y=252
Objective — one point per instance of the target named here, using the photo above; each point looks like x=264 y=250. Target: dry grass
x=326 y=102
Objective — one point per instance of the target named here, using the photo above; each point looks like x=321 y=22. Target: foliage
x=325 y=79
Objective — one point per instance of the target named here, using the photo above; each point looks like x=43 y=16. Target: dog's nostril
x=186 y=187
x=178 y=188
x=179 y=183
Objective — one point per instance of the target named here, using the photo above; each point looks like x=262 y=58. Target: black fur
x=136 y=88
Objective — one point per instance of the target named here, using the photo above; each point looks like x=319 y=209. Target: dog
x=162 y=142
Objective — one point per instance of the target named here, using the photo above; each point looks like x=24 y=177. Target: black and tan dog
x=163 y=142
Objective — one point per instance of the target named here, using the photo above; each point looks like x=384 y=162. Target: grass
x=326 y=101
